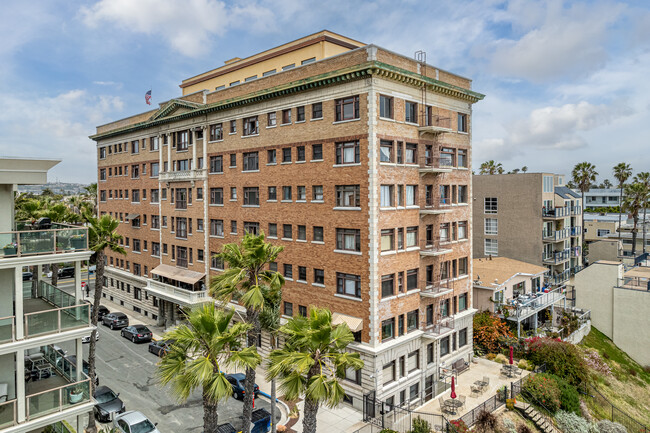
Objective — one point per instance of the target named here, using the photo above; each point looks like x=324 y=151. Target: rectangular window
x=288 y=271
x=319 y=276
x=462 y=122
x=286 y=116
x=288 y=308
x=348 y=284
x=302 y=273
x=251 y=196
x=387 y=285
x=388 y=332
x=411 y=195
x=286 y=193
x=300 y=114
x=491 y=247
x=387 y=239
x=233 y=123
x=216 y=164
x=347 y=108
x=251 y=126
x=216 y=227
x=386 y=151
x=273 y=230
x=273 y=193
x=135 y=196
x=301 y=193
x=348 y=239
x=318 y=234
x=462 y=338
x=462 y=158
x=182 y=140
x=317 y=192
x=233 y=227
x=317 y=110
x=199 y=193
x=385 y=106
x=216 y=132
x=102 y=153
x=411 y=153
x=444 y=347
x=462 y=266
x=251 y=227
x=347 y=153
x=216 y=195
x=199 y=224
x=317 y=152
x=216 y=262
x=491 y=205
x=547 y=184
x=181 y=198
x=271 y=119
x=411 y=236
x=286 y=154
x=251 y=161
x=300 y=154
x=462 y=194
x=462 y=302
x=411 y=112
x=155 y=249
x=302 y=233
x=233 y=193
x=412 y=279
x=102 y=174
x=286 y=231
x=270 y=156
x=386 y=196
x=181 y=228
x=491 y=226
x=348 y=196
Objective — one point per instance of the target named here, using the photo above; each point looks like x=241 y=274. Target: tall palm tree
x=103 y=235
x=635 y=198
x=584 y=175
x=91 y=195
x=245 y=279
x=622 y=173
x=270 y=322
x=491 y=167
x=312 y=362
x=29 y=209
x=644 y=179
x=203 y=348
x=607 y=184
x=57 y=213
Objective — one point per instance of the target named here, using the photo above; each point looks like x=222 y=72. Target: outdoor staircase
x=541 y=421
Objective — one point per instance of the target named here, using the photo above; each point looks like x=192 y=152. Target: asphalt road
x=129 y=369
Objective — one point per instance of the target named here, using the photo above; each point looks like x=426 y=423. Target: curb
x=285 y=412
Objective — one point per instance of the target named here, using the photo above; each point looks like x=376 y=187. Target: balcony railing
x=28 y=240
x=58 y=399
x=576 y=210
x=433 y=247
x=435 y=164
x=183 y=175
x=555 y=212
x=576 y=231
x=441 y=327
x=576 y=251
x=633 y=283
x=65 y=315
x=434 y=124
x=7 y=413
x=176 y=293
x=435 y=289
x=557 y=257
x=556 y=235
x=560 y=278
x=7 y=329
x=525 y=305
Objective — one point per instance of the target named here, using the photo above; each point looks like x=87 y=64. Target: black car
x=160 y=347
x=28 y=276
x=237 y=382
x=107 y=403
x=137 y=333
x=102 y=311
x=66 y=272
x=72 y=359
x=115 y=320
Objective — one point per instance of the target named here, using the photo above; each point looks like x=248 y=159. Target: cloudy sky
x=566 y=81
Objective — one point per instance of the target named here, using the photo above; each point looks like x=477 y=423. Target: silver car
x=134 y=422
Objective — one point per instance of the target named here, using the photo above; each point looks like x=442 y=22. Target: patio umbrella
x=453 y=387
x=511 y=362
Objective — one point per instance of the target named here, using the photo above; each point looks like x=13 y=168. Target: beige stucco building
x=531 y=217
x=619 y=301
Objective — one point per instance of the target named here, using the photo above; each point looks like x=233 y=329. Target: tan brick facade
x=431 y=226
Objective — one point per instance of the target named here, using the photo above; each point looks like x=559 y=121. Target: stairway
x=541 y=421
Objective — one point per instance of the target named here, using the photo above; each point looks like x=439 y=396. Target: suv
x=66 y=272
x=28 y=276
x=237 y=382
x=115 y=320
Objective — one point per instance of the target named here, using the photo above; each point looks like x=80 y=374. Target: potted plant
x=11 y=249
x=76 y=394
x=78 y=242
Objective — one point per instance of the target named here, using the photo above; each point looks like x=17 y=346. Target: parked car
x=107 y=403
x=72 y=359
x=115 y=320
x=67 y=272
x=237 y=382
x=134 y=422
x=86 y=338
x=137 y=333
x=160 y=347
x=101 y=312
x=92 y=268
x=28 y=276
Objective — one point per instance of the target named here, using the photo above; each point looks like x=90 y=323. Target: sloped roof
x=565 y=192
x=502 y=269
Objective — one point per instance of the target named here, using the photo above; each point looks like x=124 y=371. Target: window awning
x=178 y=274
x=132 y=216
x=354 y=323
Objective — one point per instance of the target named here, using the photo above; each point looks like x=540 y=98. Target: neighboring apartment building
x=355 y=159
x=601 y=197
x=38 y=386
x=619 y=299
x=600 y=227
x=531 y=217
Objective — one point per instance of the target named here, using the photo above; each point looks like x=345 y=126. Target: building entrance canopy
x=354 y=323
x=178 y=274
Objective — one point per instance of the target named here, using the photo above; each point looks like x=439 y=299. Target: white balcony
x=177 y=295
x=183 y=175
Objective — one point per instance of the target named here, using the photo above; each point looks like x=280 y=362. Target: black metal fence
x=489 y=405
x=613 y=413
x=381 y=415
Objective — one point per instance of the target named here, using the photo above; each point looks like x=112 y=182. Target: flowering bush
x=459 y=426
x=606 y=426
x=561 y=358
x=488 y=329
x=596 y=363
x=572 y=423
x=543 y=389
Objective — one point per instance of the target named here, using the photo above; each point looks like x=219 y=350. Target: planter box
x=10 y=251
x=78 y=243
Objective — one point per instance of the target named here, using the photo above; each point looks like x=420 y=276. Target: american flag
x=147 y=97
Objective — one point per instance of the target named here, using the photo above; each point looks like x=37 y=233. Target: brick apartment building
x=352 y=157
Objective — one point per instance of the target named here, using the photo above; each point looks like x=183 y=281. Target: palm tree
x=270 y=322
x=622 y=173
x=491 y=167
x=203 y=349
x=584 y=175
x=245 y=280
x=91 y=195
x=607 y=184
x=103 y=234
x=524 y=169
x=644 y=179
x=312 y=361
x=636 y=196
x=57 y=213
x=29 y=210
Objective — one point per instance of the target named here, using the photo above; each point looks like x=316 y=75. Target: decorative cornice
x=356 y=72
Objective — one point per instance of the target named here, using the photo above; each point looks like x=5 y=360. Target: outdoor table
x=42 y=368
x=509 y=370
x=477 y=387
x=453 y=404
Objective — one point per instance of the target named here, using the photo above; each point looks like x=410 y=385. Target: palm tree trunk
x=620 y=209
x=274 y=427
x=252 y=317
x=309 y=414
x=55 y=274
x=99 y=284
x=644 y=222
x=582 y=228
x=210 y=414
x=636 y=221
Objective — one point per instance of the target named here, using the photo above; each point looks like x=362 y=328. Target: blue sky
x=565 y=81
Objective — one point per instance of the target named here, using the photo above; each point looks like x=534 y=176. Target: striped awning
x=132 y=216
x=354 y=323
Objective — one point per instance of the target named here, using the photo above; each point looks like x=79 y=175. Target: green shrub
x=543 y=389
x=387 y=430
x=572 y=423
x=561 y=358
x=606 y=426
x=421 y=426
x=490 y=356
x=523 y=364
x=569 y=397
x=509 y=426
x=501 y=358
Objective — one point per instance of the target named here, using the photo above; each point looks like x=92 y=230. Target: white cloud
x=56 y=127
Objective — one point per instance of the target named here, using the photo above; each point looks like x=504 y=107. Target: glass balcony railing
x=57 y=399
x=7 y=414
x=28 y=240
x=7 y=329
x=65 y=314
